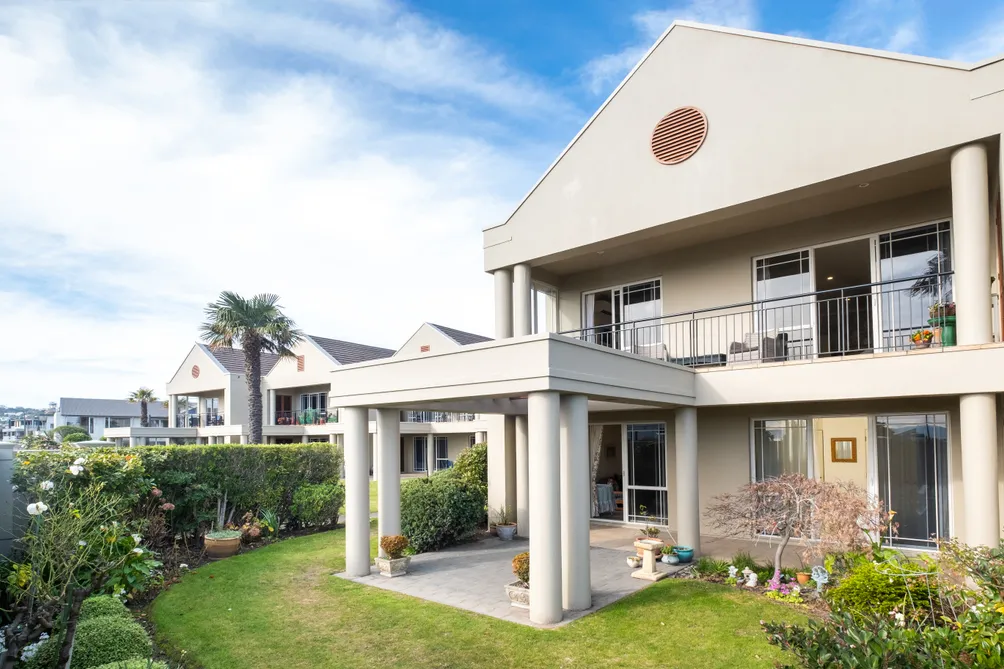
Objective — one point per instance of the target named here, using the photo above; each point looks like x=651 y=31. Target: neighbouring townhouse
x=208 y=401
x=762 y=254
x=98 y=416
x=17 y=426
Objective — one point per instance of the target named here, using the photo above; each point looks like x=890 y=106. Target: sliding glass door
x=610 y=316
x=912 y=471
x=442 y=453
x=645 y=465
x=421 y=454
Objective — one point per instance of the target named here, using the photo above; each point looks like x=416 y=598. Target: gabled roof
x=461 y=337
x=85 y=406
x=346 y=352
x=232 y=359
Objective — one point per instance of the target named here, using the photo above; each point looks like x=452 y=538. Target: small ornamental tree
x=830 y=516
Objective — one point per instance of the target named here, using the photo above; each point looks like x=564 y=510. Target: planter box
x=519 y=594
x=506 y=532
x=217 y=549
x=392 y=568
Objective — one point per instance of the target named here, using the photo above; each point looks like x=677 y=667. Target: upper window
x=781 y=447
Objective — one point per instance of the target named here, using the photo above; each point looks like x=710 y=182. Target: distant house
x=97 y=415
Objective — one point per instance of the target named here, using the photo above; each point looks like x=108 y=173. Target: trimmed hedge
x=318 y=504
x=254 y=477
x=441 y=511
x=471 y=466
x=99 y=641
x=103 y=605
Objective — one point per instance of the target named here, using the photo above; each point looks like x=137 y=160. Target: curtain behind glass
x=780 y=447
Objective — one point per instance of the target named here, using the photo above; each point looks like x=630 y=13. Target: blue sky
x=344 y=154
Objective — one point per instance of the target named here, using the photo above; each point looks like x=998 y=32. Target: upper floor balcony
x=308 y=416
x=437 y=417
x=205 y=419
x=915 y=312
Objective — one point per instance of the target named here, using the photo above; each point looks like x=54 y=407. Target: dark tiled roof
x=346 y=353
x=232 y=360
x=461 y=337
x=86 y=406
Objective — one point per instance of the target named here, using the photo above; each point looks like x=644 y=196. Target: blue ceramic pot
x=685 y=553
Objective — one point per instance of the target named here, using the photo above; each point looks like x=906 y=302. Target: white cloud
x=891 y=25
x=145 y=170
x=986 y=42
x=603 y=71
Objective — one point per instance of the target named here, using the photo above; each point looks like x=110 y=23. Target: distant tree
x=144 y=396
x=258 y=325
x=60 y=433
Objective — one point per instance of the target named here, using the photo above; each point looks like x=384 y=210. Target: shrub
x=99 y=641
x=440 y=511
x=471 y=466
x=134 y=664
x=103 y=605
x=63 y=430
x=871 y=588
x=707 y=566
x=521 y=567
x=394 y=545
x=74 y=437
x=743 y=560
x=318 y=504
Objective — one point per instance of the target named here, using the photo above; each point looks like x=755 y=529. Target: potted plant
x=685 y=553
x=396 y=563
x=669 y=556
x=519 y=590
x=634 y=561
x=222 y=543
x=504 y=525
x=922 y=338
x=943 y=320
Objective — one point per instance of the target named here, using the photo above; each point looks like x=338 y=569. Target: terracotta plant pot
x=218 y=549
x=803 y=577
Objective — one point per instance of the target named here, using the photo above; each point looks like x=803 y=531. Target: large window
x=786 y=322
x=781 y=446
x=442 y=453
x=317 y=401
x=626 y=317
x=421 y=455
x=119 y=422
x=646 y=474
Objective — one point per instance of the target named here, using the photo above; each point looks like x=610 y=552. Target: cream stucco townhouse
x=762 y=254
x=207 y=399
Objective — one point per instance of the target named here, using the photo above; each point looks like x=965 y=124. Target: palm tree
x=144 y=396
x=259 y=326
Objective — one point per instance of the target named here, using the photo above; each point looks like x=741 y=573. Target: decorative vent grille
x=195 y=371
x=679 y=135
x=299 y=363
x=425 y=348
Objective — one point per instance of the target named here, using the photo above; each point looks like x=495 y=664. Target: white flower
x=47 y=485
x=137 y=550
x=182 y=566
x=37 y=508
x=81 y=543
x=80 y=461
x=76 y=469
x=137 y=538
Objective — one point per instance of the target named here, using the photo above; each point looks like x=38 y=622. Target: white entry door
x=644 y=457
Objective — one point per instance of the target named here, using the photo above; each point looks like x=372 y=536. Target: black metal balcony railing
x=436 y=417
x=903 y=314
x=210 y=419
x=306 y=417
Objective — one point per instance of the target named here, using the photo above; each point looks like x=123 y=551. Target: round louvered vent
x=679 y=135
x=195 y=371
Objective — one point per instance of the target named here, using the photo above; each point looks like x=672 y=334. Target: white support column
x=503 y=303
x=133 y=441
x=244 y=439
x=375 y=456
x=509 y=459
x=389 y=491
x=545 y=507
x=357 y=496
x=522 y=477
x=978 y=425
x=430 y=453
x=576 y=593
x=521 y=287
x=331 y=439
x=688 y=507
x=270 y=407
x=201 y=420
x=971 y=239
x=480 y=437
x=172 y=411
x=304 y=439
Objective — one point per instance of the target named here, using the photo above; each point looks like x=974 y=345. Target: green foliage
x=223 y=534
x=63 y=431
x=318 y=504
x=764 y=574
x=134 y=664
x=521 y=567
x=743 y=560
x=789 y=598
x=441 y=511
x=471 y=466
x=74 y=437
x=708 y=566
x=191 y=478
x=871 y=588
x=103 y=605
x=394 y=545
x=98 y=641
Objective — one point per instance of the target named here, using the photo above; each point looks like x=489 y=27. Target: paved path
x=473 y=577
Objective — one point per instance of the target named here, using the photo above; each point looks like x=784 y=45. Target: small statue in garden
x=750 y=577
x=820 y=576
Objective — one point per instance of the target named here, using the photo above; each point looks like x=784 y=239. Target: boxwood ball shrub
x=441 y=511
x=318 y=504
x=103 y=605
x=99 y=641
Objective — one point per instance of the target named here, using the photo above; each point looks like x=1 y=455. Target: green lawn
x=281 y=606
x=373 y=496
